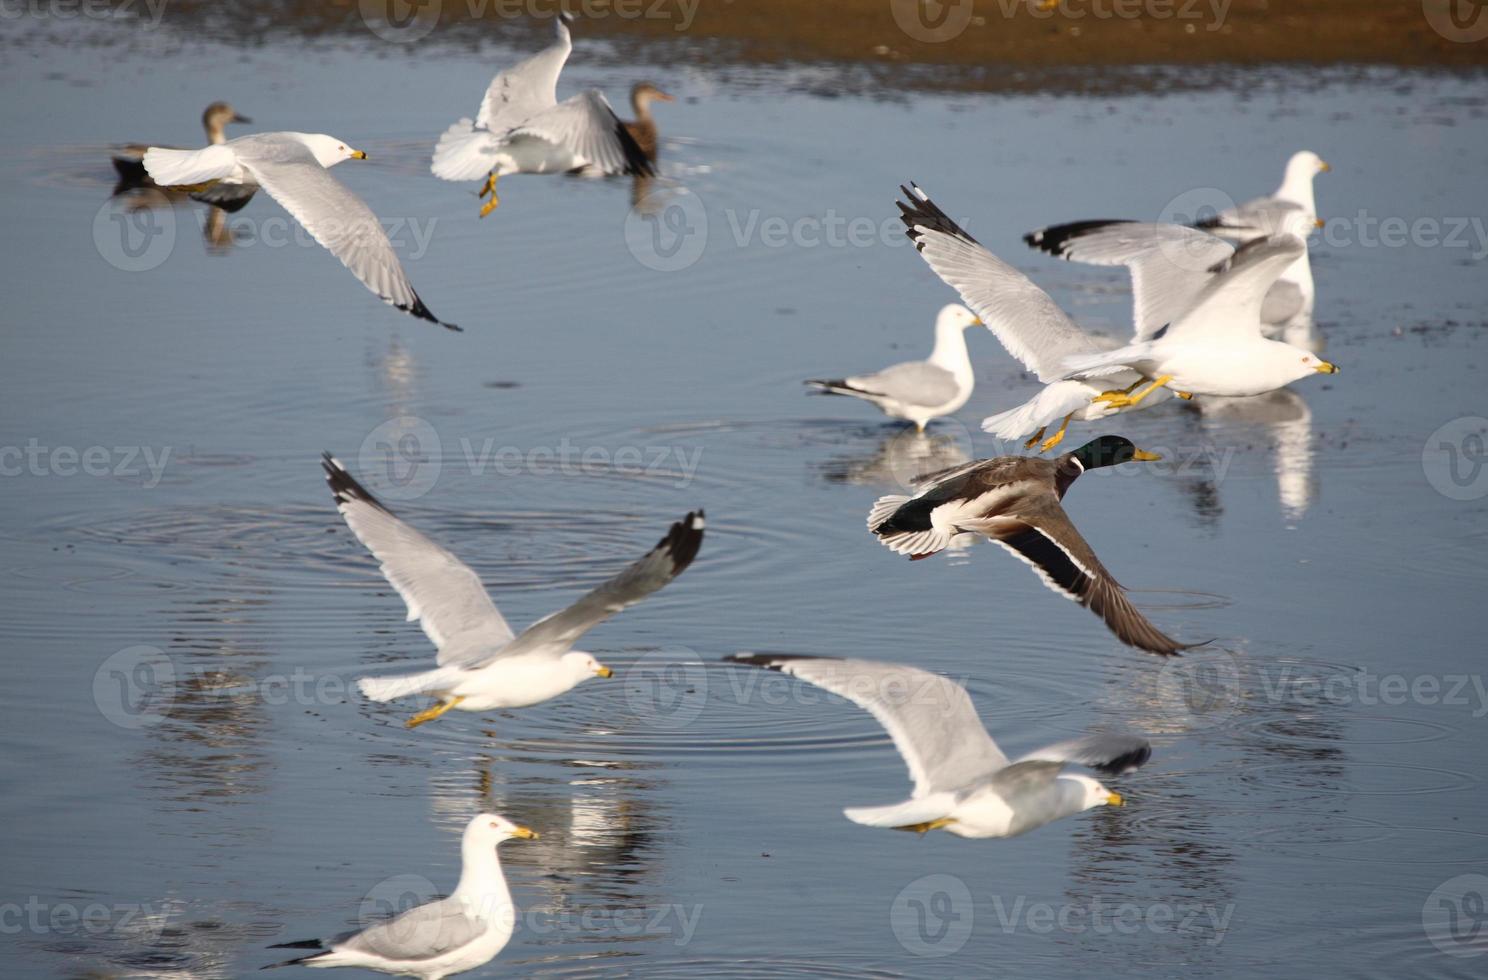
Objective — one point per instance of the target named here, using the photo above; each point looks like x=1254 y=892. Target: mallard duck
x=294 y=169
x=963 y=784
x=439 y=938
x=919 y=391
x=642 y=129
x=482 y=664
x=1014 y=500
x=129 y=159
x=523 y=128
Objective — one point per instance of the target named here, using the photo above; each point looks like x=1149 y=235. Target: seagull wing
x=1110 y=754
x=1230 y=304
x=525 y=89
x=1169 y=263
x=422 y=933
x=910 y=383
x=557 y=633
x=334 y=217
x=588 y=126
x=1021 y=315
x=441 y=591
x=931 y=718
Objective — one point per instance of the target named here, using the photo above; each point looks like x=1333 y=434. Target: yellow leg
x=1057 y=437
x=489 y=188
x=489 y=185
x=433 y=712
x=1033 y=439
x=1120 y=399
x=1185 y=395
x=927 y=826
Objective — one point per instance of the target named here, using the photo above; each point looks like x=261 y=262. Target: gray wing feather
x=421 y=933
x=1021 y=315
x=1230 y=303
x=588 y=126
x=525 y=89
x=1112 y=754
x=442 y=592
x=931 y=718
x=910 y=383
x=557 y=633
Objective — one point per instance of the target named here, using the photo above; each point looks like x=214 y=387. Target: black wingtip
x=684 y=539
x=768 y=661
x=344 y=487
x=1056 y=239
x=920 y=211
x=300 y=944
x=1126 y=762
x=418 y=309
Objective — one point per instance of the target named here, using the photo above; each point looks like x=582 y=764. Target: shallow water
x=1299 y=814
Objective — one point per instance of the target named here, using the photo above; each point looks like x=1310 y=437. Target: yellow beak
x=605 y=672
x=1324 y=166
x=1325 y=368
x=1115 y=800
x=978 y=322
x=1318 y=222
x=358 y=154
x=1143 y=456
x=525 y=833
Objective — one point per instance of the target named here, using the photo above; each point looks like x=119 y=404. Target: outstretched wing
x=560 y=631
x=1112 y=754
x=334 y=217
x=442 y=592
x=930 y=718
x=527 y=88
x=1230 y=303
x=1049 y=544
x=588 y=126
x=1021 y=315
x=1169 y=263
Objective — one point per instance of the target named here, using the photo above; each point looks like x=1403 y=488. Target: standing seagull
x=919 y=390
x=440 y=938
x=1027 y=322
x=1015 y=501
x=483 y=665
x=293 y=168
x=523 y=128
x=963 y=784
x=1265 y=215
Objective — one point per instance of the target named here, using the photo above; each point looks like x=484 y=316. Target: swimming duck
x=129 y=159
x=919 y=391
x=1015 y=501
x=642 y=129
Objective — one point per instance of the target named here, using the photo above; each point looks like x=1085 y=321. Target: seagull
x=1015 y=501
x=1027 y=322
x=523 y=128
x=1170 y=264
x=643 y=128
x=483 y=665
x=963 y=784
x=1216 y=347
x=1265 y=215
x=440 y=938
x=919 y=390
x=292 y=168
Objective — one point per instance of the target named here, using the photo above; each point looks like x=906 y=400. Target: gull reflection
x=1287 y=422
